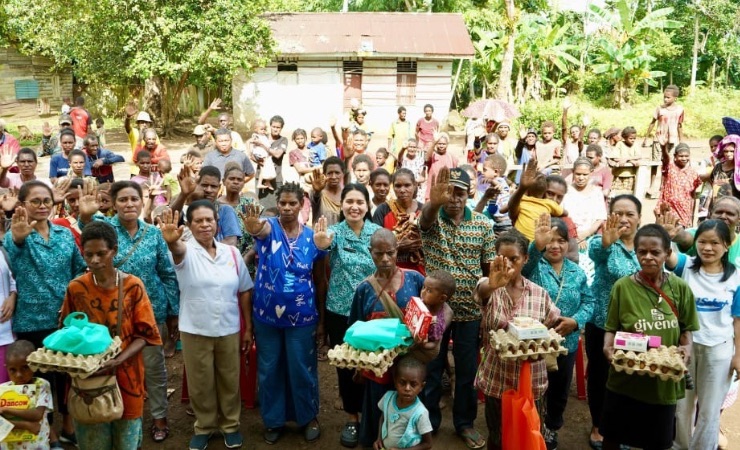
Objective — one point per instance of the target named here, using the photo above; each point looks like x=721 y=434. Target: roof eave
x=372 y=55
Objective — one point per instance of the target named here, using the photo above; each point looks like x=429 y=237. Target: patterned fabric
x=668 y=120
x=678 y=190
x=40 y=397
x=402 y=225
x=367 y=306
x=43 y=269
x=569 y=291
x=151 y=263
x=119 y=434
x=246 y=241
x=416 y=166
x=460 y=249
x=350 y=263
x=610 y=264
x=284 y=292
x=496 y=375
x=101 y=306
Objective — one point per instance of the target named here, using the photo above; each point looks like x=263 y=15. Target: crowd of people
x=281 y=247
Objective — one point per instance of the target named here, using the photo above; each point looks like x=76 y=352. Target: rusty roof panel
x=371 y=34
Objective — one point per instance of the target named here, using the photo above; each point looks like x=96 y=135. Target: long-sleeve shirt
x=569 y=291
x=43 y=269
x=104 y=173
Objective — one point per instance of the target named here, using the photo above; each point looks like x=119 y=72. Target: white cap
x=143 y=117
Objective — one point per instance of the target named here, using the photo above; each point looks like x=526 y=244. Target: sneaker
x=551 y=439
x=199 y=441
x=233 y=440
x=272 y=435
x=350 y=435
x=68 y=438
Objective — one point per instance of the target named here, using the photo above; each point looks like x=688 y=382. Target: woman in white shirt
x=584 y=202
x=714 y=281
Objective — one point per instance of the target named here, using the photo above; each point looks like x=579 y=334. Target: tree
x=173 y=44
x=623 y=47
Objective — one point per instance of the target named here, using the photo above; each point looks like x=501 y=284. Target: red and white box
x=417 y=318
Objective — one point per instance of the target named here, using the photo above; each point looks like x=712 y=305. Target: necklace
x=292 y=242
x=95 y=280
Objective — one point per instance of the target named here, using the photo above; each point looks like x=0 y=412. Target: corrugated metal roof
x=365 y=34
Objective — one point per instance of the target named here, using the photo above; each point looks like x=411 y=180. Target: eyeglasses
x=36 y=202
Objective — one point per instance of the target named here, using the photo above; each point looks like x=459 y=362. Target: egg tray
x=78 y=366
x=347 y=357
x=664 y=362
x=509 y=347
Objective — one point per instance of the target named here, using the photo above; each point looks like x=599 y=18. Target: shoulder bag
x=98 y=399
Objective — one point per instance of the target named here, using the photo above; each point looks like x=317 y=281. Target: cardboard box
x=524 y=328
x=632 y=341
x=417 y=318
x=22 y=396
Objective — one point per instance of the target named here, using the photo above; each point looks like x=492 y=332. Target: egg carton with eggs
x=78 y=366
x=509 y=347
x=346 y=357
x=664 y=362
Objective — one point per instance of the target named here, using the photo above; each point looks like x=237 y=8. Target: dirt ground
x=574 y=436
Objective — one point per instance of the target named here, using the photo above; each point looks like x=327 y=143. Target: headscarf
x=731 y=139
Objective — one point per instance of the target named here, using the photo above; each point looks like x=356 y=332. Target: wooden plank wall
x=52 y=85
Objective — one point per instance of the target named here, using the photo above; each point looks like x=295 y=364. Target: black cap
x=459 y=178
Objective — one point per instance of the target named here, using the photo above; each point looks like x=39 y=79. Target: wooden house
x=29 y=87
x=324 y=60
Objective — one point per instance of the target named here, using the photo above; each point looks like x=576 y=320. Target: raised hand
x=171 y=232
x=500 y=272
x=9 y=200
x=322 y=237
x=130 y=109
x=89 y=202
x=155 y=186
x=586 y=121
x=567 y=104
x=543 y=232
x=529 y=174
x=423 y=175
x=441 y=191
x=252 y=221
x=666 y=218
x=318 y=180
x=186 y=178
x=20 y=227
x=436 y=134
x=216 y=104
x=60 y=189
x=612 y=230
x=6 y=157
x=522 y=132
x=46 y=129
x=492 y=191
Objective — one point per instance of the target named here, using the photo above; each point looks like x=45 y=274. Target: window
x=287 y=67
x=26 y=89
x=352 y=82
x=406 y=82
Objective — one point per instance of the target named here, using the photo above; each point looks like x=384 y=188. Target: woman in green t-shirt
x=638 y=410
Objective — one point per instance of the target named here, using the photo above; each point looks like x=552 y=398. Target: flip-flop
x=472 y=438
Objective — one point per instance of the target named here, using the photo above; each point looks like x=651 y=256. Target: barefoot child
x=506 y=294
x=669 y=117
x=680 y=181
x=439 y=286
x=317 y=147
x=405 y=421
x=33 y=418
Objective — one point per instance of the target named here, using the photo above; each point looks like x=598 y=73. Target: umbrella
x=496 y=110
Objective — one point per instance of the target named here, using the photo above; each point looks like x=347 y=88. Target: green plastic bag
x=79 y=336
x=378 y=334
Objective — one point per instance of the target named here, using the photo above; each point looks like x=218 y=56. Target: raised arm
x=529 y=177
x=257 y=227
x=215 y=105
x=438 y=197
x=172 y=233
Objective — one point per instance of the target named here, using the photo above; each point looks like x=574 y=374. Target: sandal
x=472 y=438
x=321 y=354
x=160 y=434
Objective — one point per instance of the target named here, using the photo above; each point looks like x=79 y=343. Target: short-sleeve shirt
x=717 y=301
x=668 y=121
x=209 y=289
x=436 y=163
x=285 y=293
x=460 y=249
x=350 y=263
x=403 y=427
x=610 y=264
x=219 y=161
x=101 y=306
x=81 y=121
x=634 y=308
x=547 y=152
x=400 y=133
x=59 y=167
x=622 y=151
x=530 y=209
x=425 y=130
x=367 y=306
x=40 y=396
x=733 y=253
x=228 y=223
x=585 y=207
